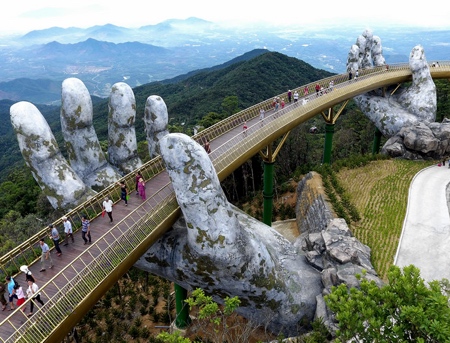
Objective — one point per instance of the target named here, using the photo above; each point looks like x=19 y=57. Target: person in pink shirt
x=141 y=188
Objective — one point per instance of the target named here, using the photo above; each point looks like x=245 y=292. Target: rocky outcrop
x=333 y=250
x=312 y=212
x=422 y=141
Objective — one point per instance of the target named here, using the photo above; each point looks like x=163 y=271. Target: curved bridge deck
x=85 y=272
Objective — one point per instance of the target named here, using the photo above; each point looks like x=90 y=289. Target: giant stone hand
x=67 y=184
x=224 y=251
x=407 y=106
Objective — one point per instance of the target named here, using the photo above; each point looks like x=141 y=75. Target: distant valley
x=34 y=65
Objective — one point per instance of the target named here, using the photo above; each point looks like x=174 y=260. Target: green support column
x=329 y=131
x=268 y=193
x=182 y=308
x=376 y=141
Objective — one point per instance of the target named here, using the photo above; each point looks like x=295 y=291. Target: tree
x=404 y=310
x=230 y=105
x=216 y=323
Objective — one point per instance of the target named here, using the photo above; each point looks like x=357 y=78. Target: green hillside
x=188 y=100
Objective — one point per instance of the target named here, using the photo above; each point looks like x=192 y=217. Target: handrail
x=27 y=253
x=112 y=249
x=124 y=243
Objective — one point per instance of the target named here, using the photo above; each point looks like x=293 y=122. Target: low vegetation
x=379 y=191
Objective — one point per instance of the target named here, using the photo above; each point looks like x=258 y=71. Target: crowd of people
x=14 y=291
x=14 y=295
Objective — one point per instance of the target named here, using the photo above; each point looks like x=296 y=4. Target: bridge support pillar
x=376 y=141
x=181 y=307
x=268 y=193
x=329 y=131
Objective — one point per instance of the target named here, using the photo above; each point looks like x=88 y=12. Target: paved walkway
x=425 y=239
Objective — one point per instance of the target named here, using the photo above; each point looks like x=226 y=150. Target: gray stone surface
x=69 y=183
x=83 y=148
x=60 y=183
x=408 y=105
x=122 y=145
x=156 y=118
x=224 y=251
x=425 y=239
x=421 y=141
x=312 y=211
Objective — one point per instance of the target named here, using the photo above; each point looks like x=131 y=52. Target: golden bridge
x=84 y=273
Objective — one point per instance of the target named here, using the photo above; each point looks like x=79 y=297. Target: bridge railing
x=28 y=252
x=249 y=113
x=121 y=240
x=100 y=259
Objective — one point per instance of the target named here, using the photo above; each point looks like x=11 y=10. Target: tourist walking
x=295 y=96
x=11 y=292
x=45 y=255
x=207 y=147
x=289 y=96
x=305 y=90
x=107 y=206
x=34 y=295
x=68 y=230
x=123 y=192
x=262 y=114
x=317 y=89
x=138 y=176
x=20 y=296
x=54 y=236
x=85 y=229
x=27 y=272
x=141 y=188
x=331 y=85
x=2 y=296
x=350 y=75
x=277 y=103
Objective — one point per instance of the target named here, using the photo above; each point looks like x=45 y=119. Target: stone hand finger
x=156 y=119
x=84 y=152
x=190 y=169
x=122 y=145
x=59 y=182
x=408 y=105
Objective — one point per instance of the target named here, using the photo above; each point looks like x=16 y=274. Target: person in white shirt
x=107 y=207
x=33 y=293
x=20 y=296
x=68 y=230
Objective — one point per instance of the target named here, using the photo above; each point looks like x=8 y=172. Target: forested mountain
x=188 y=97
x=208 y=95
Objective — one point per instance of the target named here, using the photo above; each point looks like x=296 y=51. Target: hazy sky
x=27 y=15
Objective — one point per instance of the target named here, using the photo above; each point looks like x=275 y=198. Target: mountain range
x=249 y=79
x=35 y=64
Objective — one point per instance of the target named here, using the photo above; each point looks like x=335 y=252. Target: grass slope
x=379 y=191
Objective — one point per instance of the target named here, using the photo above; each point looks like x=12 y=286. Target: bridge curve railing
x=224 y=159
x=28 y=252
